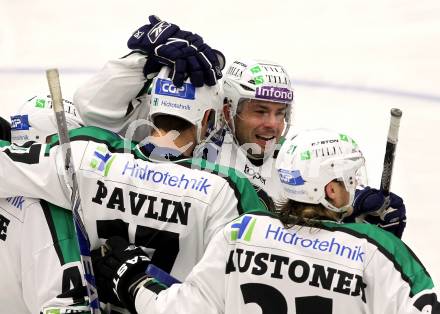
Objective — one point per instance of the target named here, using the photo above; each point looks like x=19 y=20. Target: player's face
x=260 y=122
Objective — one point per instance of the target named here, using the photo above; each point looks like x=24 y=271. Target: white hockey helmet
x=187 y=102
x=257 y=79
x=310 y=160
x=35 y=120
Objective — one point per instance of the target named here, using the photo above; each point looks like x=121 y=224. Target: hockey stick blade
x=81 y=234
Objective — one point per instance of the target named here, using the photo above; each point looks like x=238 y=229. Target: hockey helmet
x=256 y=79
x=35 y=120
x=310 y=160
x=187 y=102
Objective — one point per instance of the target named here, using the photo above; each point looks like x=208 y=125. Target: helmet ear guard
x=307 y=162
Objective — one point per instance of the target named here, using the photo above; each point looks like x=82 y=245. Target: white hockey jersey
x=264 y=177
x=172 y=209
x=114 y=99
x=39 y=259
x=256 y=265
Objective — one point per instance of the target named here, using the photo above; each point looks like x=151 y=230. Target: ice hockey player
x=258 y=111
x=39 y=257
x=38 y=249
x=151 y=194
x=259 y=99
x=298 y=260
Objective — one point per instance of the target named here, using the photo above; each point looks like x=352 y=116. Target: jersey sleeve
x=223 y=210
x=409 y=288
x=107 y=98
x=51 y=278
x=36 y=171
x=202 y=292
x=237 y=196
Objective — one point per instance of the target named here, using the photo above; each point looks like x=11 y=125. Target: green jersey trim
x=114 y=142
x=404 y=260
x=245 y=193
x=62 y=229
x=4 y=143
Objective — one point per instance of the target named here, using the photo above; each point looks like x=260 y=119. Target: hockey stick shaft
x=82 y=237
x=390 y=151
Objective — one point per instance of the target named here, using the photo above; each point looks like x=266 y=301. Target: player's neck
x=183 y=141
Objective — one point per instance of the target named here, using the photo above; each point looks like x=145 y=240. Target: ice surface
x=351 y=61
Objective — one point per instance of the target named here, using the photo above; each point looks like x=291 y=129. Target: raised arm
x=107 y=99
x=111 y=98
x=35 y=171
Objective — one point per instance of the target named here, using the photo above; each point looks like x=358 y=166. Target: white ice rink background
x=351 y=61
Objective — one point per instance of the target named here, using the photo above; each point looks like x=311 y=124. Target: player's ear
x=331 y=191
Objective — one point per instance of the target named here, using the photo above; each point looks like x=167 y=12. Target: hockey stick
x=75 y=201
x=390 y=151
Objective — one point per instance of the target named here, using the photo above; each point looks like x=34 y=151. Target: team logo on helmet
x=166 y=88
x=290 y=177
x=20 y=123
x=40 y=103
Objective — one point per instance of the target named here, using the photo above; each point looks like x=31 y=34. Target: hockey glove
x=149 y=36
x=210 y=61
x=186 y=55
x=184 y=52
x=392 y=216
x=121 y=267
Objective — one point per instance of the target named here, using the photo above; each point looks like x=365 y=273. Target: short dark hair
x=169 y=123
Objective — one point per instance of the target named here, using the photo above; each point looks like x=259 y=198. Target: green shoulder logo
x=102 y=160
x=243 y=229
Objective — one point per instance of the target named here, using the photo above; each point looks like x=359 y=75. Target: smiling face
x=259 y=122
